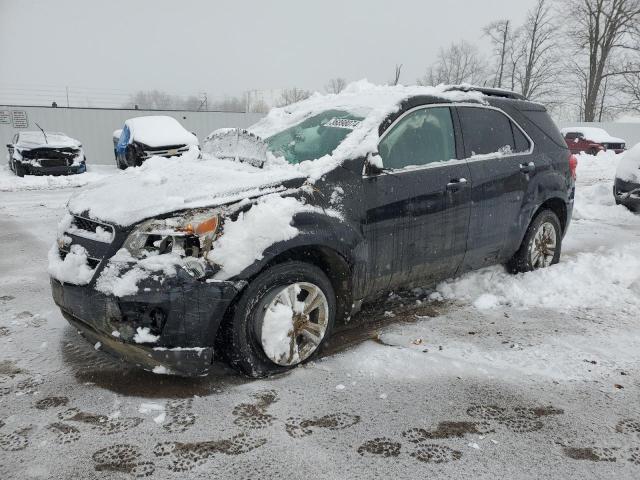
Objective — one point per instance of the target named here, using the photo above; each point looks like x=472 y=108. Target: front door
x=417 y=209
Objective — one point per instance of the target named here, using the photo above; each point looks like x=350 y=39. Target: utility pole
x=203 y=102
x=67 y=96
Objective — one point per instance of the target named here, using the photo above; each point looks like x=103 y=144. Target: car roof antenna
x=45 y=135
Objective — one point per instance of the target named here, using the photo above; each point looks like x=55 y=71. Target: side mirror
x=373 y=166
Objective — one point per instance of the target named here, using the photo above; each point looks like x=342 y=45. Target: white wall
x=630 y=132
x=94 y=126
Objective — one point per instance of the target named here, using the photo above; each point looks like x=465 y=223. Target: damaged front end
x=51 y=161
x=147 y=293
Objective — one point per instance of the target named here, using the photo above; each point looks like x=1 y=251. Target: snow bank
x=10 y=182
x=587 y=279
x=594 y=134
x=595 y=279
x=629 y=167
x=159 y=131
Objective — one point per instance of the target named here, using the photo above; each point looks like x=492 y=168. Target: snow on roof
x=27 y=140
x=371 y=102
x=159 y=131
x=594 y=134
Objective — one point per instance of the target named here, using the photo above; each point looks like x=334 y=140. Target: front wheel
x=19 y=169
x=282 y=319
x=541 y=245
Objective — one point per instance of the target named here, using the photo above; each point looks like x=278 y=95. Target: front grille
x=55 y=162
x=614 y=146
x=91 y=229
x=166 y=151
x=92 y=262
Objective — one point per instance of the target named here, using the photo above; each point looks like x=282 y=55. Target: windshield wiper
x=46 y=140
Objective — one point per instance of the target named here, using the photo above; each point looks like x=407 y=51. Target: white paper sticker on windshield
x=342 y=123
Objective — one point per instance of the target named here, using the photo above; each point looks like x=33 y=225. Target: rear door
x=498 y=155
x=418 y=208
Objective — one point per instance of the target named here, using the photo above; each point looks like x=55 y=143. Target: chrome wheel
x=294 y=323
x=543 y=247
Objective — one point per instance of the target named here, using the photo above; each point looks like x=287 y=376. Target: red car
x=591 y=140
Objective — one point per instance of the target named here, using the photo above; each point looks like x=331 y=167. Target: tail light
x=573 y=166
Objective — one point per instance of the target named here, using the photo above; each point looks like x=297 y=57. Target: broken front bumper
x=184 y=314
x=57 y=170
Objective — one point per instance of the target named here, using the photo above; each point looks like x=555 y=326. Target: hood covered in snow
x=159 y=187
x=159 y=131
x=32 y=140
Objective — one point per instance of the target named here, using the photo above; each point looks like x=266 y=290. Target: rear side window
x=487 y=131
x=424 y=136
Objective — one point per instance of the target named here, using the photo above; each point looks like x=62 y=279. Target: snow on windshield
x=159 y=131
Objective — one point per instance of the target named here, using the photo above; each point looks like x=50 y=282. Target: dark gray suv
x=380 y=189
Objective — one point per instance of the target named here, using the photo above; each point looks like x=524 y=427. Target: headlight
x=189 y=235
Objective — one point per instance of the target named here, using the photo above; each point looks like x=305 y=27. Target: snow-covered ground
x=490 y=376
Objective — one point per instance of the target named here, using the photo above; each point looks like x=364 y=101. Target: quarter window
x=487 y=131
x=422 y=137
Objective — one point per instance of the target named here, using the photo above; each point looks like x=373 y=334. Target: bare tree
x=501 y=36
x=460 y=63
x=292 y=95
x=605 y=30
x=335 y=85
x=537 y=48
x=152 y=100
x=396 y=76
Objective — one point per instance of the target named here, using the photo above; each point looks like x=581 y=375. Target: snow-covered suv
x=176 y=264
x=145 y=137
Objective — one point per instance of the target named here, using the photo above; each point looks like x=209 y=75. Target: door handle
x=456 y=184
x=527 y=167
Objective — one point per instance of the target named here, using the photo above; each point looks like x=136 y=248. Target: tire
x=244 y=341
x=525 y=259
x=20 y=170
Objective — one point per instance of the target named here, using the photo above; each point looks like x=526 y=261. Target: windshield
x=314 y=138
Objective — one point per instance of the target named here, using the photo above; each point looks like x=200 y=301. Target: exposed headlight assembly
x=188 y=235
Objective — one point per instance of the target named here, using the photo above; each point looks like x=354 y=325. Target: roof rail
x=490 y=92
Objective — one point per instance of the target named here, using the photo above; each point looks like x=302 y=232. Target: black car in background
x=432 y=183
x=45 y=153
x=145 y=137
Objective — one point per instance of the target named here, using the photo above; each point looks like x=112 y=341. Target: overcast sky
x=107 y=48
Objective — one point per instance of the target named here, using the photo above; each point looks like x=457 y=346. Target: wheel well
x=557 y=206
x=335 y=267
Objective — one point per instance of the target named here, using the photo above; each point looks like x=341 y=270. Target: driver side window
x=422 y=137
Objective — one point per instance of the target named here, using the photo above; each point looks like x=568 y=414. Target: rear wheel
x=282 y=319
x=541 y=245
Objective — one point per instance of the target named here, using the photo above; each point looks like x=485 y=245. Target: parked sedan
x=45 y=153
x=592 y=140
x=626 y=189
x=371 y=190
x=145 y=137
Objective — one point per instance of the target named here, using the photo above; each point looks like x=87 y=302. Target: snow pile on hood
x=30 y=140
x=159 y=131
x=363 y=99
x=629 y=167
x=245 y=240
x=162 y=186
x=594 y=134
